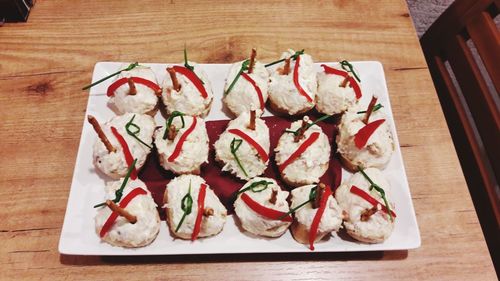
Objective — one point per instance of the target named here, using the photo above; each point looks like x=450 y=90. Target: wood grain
x=44 y=63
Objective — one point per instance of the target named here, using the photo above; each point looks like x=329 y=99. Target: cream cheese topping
x=114 y=164
x=177 y=189
x=378 y=150
x=332 y=98
x=311 y=164
x=144 y=101
x=284 y=93
x=123 y=233
x=331 y=220
x=379 y=226
x=256 y=223
x=243 y=96
x=247 y=154
x=188 y=100
x=194 y=149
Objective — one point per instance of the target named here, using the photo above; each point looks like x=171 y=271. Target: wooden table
x=45 y=62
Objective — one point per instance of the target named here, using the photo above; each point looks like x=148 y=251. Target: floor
x=425 y=12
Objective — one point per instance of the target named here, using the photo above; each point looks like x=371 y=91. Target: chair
x=468 y=85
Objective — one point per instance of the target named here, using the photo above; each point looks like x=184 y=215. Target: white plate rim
x=71 y=244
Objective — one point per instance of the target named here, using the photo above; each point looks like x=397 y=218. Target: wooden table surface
x=45 y=62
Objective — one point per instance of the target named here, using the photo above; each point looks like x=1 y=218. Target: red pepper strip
x=126 y=152
x=355 y=87
x=317 y=217
x=363 y=194
x=122 y=81
x=362 y=136
x=182 y=139
x=199 y=215
x=262 y=153
x=296 y=80
x=193 y=78
x=114 y=215
x=308 y=142
x=257 y=89
x=331 y=70
x=263 y=210
x=352 y=81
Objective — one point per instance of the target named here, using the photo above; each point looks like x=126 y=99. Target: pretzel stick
x=172 y=132
x=252 y=60
x=300 y=133
x=122 y=212
x=344 y=82
x=208 y=212
x=251 y=126
x=286 y=68
x=100 y=133
x=320 y=189
x=175 y=82
x=369 y=212
x=345 y=215
x=370 y=109
x=274 y=197
x=131 y=85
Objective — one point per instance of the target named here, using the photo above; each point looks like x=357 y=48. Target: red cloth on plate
x=223 y=183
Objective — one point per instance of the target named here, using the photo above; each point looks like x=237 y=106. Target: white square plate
x=78 y=236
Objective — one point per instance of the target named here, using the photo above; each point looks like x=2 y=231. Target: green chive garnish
x=296 y=132
x=119 y=192
x=379 y=190
x=294 y=57
x=130 y=67
x=255 y=187
x=186 y=64
x=186 y=205
x=347 y=66
x=375 y=108
x=190 y=67
x=244 y=67
x=136 y=131
x=235 y=145
x=312 y=196
x=171 y=119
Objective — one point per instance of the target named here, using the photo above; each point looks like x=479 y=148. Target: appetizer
x=337 y=89
x=243 y=148
x=128 y=218
x=187 y=89
x=121 y=140
x=364 y=138
x=246 y=86
x=182 y=144
x=293 y=85
x=136 y=91
x=303 y=153
x=316 y=213
x=365 y=201
x=262 y=208
x=193 y=209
